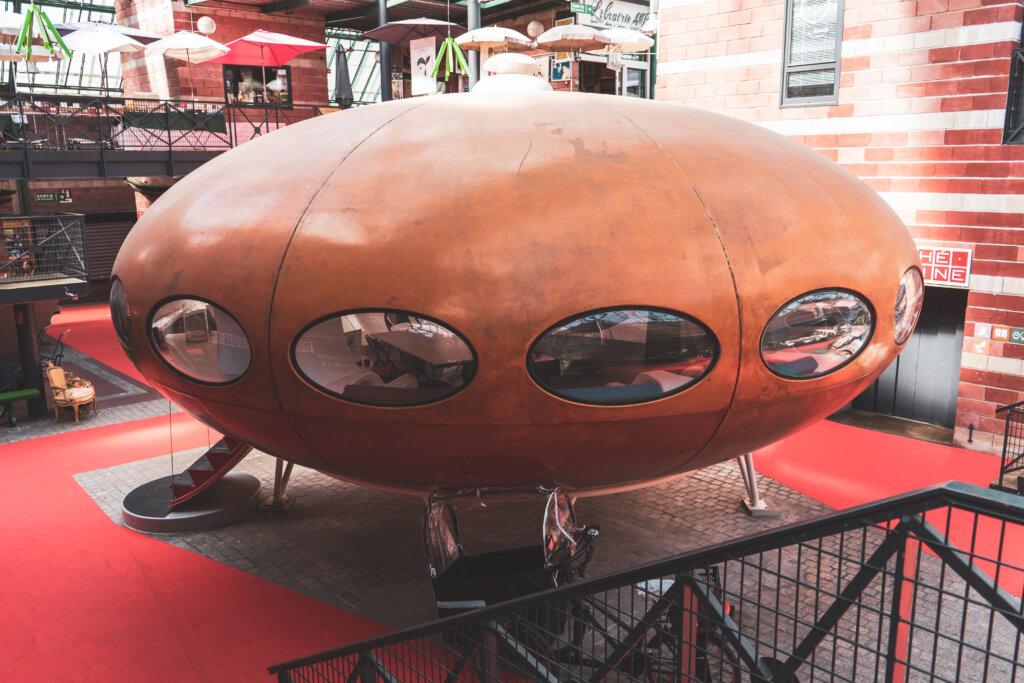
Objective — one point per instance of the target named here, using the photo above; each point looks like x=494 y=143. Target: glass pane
x=387 y=358
x=816 y=333
x=622 y=356
x=120 y=314
x=201 y=341
x=635 y=82
x=909 y=300
x=813 y=25
x=818 y=83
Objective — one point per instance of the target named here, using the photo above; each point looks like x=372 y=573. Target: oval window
x=200 y=340
x=816 y=334
x=384 y=358
x=622 y=356
x=909 y=299
x=120 y=314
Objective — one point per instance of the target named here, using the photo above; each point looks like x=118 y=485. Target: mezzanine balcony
x=59 y=136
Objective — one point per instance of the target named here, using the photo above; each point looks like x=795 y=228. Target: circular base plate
x=231 y=499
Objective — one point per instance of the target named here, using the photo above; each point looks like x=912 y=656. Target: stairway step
x=203 y=463
x=201 y=476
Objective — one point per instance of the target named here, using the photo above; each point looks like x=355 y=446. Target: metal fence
x=1013 y=449
x=58 y=122
x=38 y=249
x=924 y=586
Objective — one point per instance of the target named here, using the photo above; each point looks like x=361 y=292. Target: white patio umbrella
x=493 y=37
x=193 y=48
x=572 y=38
x=625 y=41
x=101 y=41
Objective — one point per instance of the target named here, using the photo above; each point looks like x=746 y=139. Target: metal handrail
x=905 y=560
x=62 y=122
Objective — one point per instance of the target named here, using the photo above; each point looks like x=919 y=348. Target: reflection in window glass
x=201 y=341
x=387 y=358
x=120 y=314
x=909 y=299
x=622 y=356
x=816 y=333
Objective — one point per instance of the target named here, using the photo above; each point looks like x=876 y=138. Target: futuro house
x=503 y=290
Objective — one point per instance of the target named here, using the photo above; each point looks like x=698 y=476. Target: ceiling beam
x=282 y=5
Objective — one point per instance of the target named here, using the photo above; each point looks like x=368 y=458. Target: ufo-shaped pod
x=499 y=218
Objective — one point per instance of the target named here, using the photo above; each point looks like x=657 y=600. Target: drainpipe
x=385 y=54
x=472 y=22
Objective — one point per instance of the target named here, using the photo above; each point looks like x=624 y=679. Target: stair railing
x=923 y=585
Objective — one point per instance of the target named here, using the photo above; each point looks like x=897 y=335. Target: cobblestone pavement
x=362 y=550
x=33 y=428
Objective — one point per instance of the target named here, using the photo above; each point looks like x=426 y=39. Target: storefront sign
x=614 y=14
x=422 y=53
x=581 y=8
x=946 y=267
x=62 y=196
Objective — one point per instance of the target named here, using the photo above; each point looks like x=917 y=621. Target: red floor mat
x=86 y=599
x=93 y=334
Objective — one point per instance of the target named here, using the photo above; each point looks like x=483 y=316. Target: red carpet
x=93 y=334
x=84 y=599
x=844 y=466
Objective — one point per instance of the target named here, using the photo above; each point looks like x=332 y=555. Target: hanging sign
x=946 y=266
x=615 y=14
x=422 y=55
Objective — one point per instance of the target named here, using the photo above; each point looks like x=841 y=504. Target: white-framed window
x=810 y=58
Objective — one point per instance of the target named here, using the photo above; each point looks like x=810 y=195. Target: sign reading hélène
x=946 y=266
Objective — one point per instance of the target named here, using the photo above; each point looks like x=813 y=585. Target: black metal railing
x=39 y=249
x=59 y=122
x=925 y=586
x=1012 y=464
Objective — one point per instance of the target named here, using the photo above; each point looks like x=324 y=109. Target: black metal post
x=385 y=54
x=31 y=375
x=472 y=22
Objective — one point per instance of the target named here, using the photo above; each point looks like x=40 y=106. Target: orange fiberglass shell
x=501 y=217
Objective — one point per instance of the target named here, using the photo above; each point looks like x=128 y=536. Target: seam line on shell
x=284 y=255
x=732 y=277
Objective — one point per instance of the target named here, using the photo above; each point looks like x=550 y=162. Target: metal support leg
x=279 y=501
x=755 y=505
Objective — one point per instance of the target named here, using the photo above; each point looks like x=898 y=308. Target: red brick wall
x=87 y=196
x=922 y=98
x=173 y=78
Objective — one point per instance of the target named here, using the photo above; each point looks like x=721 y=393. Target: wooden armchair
x=68 y=392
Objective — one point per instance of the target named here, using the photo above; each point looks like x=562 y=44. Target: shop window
x=622 y=356
x=810 y=63
x=1013 y=130
x=384 y=358
x=258 y=85
x=200 y=340
x=816 y=334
